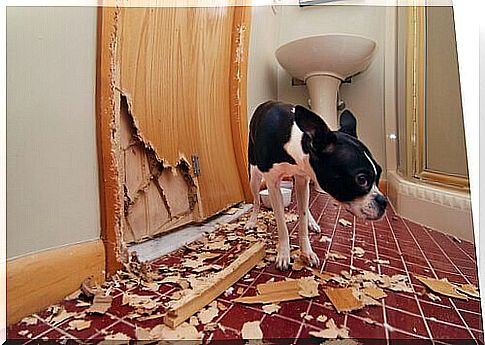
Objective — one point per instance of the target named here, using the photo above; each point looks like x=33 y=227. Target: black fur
x=269 y=131
x=337 y=157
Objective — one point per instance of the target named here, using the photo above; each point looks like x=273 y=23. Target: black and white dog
x=292 y=140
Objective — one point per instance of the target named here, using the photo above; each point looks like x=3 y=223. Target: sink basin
x=323 y=62
x=337 y=55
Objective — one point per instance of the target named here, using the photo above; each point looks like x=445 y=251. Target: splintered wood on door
x=180 y=85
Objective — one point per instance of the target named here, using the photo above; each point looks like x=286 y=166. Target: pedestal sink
x=323 y=62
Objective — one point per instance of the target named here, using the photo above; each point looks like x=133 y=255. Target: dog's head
x=343 y=166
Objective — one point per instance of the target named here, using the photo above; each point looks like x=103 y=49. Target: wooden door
x=178 y=84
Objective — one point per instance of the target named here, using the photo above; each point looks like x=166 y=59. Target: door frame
x=110 y=186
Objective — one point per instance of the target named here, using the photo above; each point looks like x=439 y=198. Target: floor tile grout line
x=460 y=248
x=384 y=316
x=302 y=324
x=444 y=253
x=434 y=273
x=432 y=319
x=351 y=261
x=410 y=282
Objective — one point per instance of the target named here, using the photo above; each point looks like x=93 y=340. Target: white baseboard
x=442 y=209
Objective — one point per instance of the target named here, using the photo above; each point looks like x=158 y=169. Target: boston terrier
x=288 y=140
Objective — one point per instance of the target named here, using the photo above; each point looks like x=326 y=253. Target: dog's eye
x=361 y=180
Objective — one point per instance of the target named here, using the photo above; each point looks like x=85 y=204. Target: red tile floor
x=410 y=249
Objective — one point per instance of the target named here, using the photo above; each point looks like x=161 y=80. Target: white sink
x=323 y=62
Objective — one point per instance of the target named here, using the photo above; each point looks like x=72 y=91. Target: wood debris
x=341 y=342
x=358 y=251
x=271 y=308
x=79 y=325
x=374 y=292
x=381 y=261
x=469 y=289
x=25 y=333
x=214 y=285
x=251 y=330
x=344 y=222
x=442 y=286
x=116 y=336
x=286 y=290
x=322 y=318
x=332 y=331
x=325 y=239
x=208 y=314
x=30 y=320
x=433 y=297
x=58 y=315
x=184 y=331
x=335 y=256
x=343 y=299
x=100 y=305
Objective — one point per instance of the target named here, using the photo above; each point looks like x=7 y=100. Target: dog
x=289 y=140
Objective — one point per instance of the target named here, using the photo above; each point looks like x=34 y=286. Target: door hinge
x=196 y=165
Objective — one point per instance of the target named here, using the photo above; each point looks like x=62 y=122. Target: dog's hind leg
x=312 y=224
x=283 y=257
x=302 y=196
x=255 y=183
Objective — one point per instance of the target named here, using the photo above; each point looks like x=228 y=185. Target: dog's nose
x=381 y=200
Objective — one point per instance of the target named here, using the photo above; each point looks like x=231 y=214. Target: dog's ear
x=318 y=136
x=348 y=123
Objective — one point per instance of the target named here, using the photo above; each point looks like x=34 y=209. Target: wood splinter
x=214 y=286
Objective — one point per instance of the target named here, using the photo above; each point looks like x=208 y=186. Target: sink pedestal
x=323 y=94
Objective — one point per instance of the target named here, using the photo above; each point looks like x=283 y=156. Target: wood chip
x=344 y=222
x=442 y=286
x=343 y=299
x=322 y=318
x=335 y=256
x=184 y=331
x=286 y=290
x=251 y=330
x=470 y=290
x=381 y=261
x=325 y=239
x=100 y=305
x=374 y=292
x=433 y=297
x=30 y=320
x=271 y=308
x=79 y=325
x=332 y=331
x=208 y=314
x=59 y=315
x=358 y=251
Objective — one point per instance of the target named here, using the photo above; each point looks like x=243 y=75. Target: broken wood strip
x=280 y=296
x=273 y=287
x=220 y=282
x=343 y=299
x=442 y=286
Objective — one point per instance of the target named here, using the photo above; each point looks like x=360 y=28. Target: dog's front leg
x=283 y=257
x=302 y=196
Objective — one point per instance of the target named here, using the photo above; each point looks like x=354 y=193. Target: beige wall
x=52 y=177
x=365 y=95
x=262 y=64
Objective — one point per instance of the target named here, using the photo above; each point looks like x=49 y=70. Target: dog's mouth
x=364 y=212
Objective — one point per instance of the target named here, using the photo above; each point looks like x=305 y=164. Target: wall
x=365 y=95
x=52 y=177
x=262 y=64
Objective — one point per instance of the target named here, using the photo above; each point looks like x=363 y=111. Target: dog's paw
x=314 y=227
x=250 y=224
x=311 y=258
x=283 y=261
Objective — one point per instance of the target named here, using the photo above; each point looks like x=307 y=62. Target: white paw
x=283 y=260
x=314 y=227
x=311 y=258
x=250 y=224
